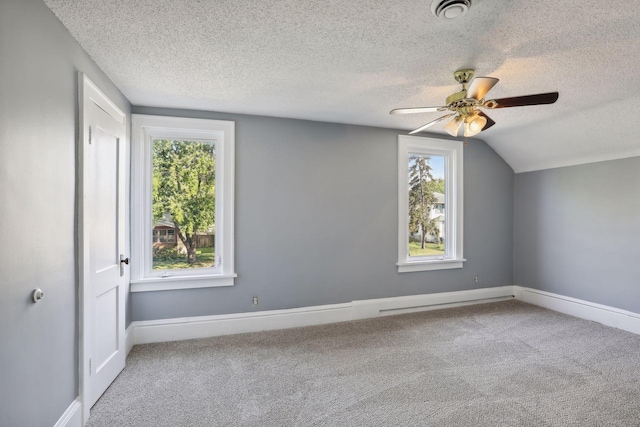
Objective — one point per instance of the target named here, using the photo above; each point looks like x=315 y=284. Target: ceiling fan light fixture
x=453 y=126
x=474 y=124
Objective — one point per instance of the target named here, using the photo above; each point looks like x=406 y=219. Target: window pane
x=183 y=204
x=426 y=205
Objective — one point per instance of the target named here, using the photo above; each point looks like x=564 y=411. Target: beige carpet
x=499 y=364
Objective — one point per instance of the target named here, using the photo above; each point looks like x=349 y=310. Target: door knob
x=125 y=261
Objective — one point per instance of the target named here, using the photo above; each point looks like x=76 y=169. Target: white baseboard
x=609 y=316
x=72 y=417
x=129 y=338
x=210 y=326
x=227 y=324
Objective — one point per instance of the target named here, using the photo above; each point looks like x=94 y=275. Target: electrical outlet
x=255 y=300
x=475 y=279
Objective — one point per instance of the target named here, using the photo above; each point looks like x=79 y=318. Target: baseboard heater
x=429 y=307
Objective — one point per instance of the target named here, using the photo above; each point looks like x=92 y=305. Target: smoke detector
x=447 y=10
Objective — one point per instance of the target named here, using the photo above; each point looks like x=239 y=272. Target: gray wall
x=316 y=221
x=39 y=61
x=577 y=232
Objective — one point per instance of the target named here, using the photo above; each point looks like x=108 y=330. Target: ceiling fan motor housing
x=450 y=9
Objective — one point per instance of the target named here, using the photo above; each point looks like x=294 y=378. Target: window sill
x=441 y=264
x=182 y=282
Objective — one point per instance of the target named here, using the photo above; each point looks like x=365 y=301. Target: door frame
x=89 y=93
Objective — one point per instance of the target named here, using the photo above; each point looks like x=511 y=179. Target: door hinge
x=90 y=371
x=89 y=134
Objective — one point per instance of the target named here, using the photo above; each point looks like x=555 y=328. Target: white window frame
x=453 y=154
x=145 y=129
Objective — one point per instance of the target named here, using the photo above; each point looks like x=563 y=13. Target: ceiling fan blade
x=431 y=123
x=521 y=101
x=416 y=110
x=480 y=86
x=489 y=121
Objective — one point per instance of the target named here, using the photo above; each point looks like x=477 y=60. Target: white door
x=103 y=275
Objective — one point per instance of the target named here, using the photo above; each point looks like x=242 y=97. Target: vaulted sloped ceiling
x=353 y=61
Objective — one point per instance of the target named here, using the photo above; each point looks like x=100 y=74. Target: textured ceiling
x=353 y=61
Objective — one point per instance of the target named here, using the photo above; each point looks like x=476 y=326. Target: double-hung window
x=182 y=203
x=429 y=204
